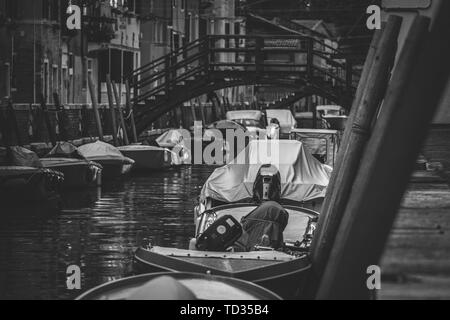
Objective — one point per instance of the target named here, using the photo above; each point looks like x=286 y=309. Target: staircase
x=215 y=62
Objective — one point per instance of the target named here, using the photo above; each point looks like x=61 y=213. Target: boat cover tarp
x=285 y=117
x=65 y=150
x=303 y=177
x=22 y=157
x=101 y=150
x=170 y=138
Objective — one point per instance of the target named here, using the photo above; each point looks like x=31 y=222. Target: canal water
x=97 y=235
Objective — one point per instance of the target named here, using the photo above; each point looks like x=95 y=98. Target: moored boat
x=150 y=157
x=78 y=171
x=113 y=162
x=227 y=205
x=26 y=186
x=178 y=286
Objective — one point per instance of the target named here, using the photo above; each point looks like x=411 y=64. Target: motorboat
x=113 y=162
x=150 y=157
x=78 y=171
x=178 y=286
x=226 y=201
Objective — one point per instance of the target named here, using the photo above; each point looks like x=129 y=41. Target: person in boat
x=273 y=130
x=263 y=228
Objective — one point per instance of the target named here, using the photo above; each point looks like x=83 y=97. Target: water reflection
x=97 y=232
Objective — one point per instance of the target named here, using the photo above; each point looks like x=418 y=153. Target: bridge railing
x=238 y=55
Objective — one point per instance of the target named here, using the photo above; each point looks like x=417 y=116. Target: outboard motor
x=221 y=235
x=267 y=186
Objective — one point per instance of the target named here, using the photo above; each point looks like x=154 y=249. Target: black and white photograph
x=224 y=154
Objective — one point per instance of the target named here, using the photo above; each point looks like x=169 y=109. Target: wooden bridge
x=306 y=65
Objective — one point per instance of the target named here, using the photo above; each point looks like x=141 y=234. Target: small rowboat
x=113 y=162
x=78 y=171
x=178 y=286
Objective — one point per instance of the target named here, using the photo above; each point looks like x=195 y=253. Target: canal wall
x=75 y=122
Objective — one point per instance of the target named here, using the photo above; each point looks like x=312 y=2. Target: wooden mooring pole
x=412 y=98
x=121 y=118
x=98 y=120
x=48 y=122
x=368 y=99
x=112 y=110
x=61 y=117
x=130 y=109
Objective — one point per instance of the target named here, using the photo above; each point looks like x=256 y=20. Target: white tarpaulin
x=303 y=178
x=102 y=151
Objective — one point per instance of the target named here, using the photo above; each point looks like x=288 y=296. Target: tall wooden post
x=112 y=110
x=98 y=120
x=121 y=118
x=193 y=113
x=373 y=90
x=48 y=122
x=8 y=80
x=419 y=80
x=62 y=116
x=130 y=110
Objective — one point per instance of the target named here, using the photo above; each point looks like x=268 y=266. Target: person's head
x=267 y=185
x=274 y=121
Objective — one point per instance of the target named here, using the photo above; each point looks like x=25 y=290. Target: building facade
x=39 y=56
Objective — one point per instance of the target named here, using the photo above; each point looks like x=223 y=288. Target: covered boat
x=227 y=203
x=150 y=157
x=77 y=170
x=113 y=162
x=303 y=178
x=285 y=118
x=178 y=286
x=24 y=182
